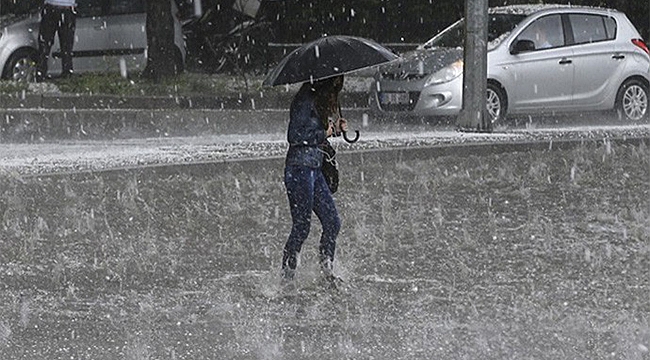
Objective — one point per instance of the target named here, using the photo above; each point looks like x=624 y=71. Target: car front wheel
x=21 y=66
x=496 y=104
x=632 y=101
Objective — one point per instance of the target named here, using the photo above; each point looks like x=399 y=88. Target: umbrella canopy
x=326 y=57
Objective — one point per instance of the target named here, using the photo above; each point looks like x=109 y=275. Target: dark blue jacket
x=305 y=131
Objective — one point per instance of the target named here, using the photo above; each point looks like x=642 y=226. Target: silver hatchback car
x=542 y=59
x=110 y=36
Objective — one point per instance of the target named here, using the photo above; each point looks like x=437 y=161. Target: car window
x=500 y=24
x=90 y=8
x=610 y=26
x=592 y=28
x=546 y=32
x=121 y=7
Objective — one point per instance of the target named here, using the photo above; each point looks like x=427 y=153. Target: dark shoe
x=288 y=274
x=331 y=281
x=287 y=285
x=326 y=266
x=65 y=75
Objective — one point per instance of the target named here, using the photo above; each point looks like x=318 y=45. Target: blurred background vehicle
x=590 y=59
x=110 y=36
x=227 y=36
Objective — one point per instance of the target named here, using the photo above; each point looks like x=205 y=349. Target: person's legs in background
x=66 y=39
x=50 y=18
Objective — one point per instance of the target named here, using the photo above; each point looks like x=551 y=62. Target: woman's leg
x=299 y=181
x=325 y=209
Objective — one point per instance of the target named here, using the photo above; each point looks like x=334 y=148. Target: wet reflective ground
x=537 y=255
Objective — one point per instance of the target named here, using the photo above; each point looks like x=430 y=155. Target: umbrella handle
x=356 y=137
x=345 y=133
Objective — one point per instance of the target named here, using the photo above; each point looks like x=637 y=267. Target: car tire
x=21 y=66
x=632 y=101
x=496 y=104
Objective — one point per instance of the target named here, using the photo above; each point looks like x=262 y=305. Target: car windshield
x=454 y=36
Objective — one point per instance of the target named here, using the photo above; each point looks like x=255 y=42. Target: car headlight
x=446 y=74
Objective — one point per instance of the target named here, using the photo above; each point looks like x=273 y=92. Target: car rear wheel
x=632 y=101
x=21 y=66
x=496 y=104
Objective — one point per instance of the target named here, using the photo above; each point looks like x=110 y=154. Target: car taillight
x=641 y=44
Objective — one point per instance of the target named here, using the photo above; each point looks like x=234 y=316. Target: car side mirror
x=522 y=46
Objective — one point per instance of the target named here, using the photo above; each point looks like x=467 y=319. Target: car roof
x=529 y=9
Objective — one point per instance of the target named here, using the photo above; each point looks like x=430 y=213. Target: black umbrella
x=327 y=57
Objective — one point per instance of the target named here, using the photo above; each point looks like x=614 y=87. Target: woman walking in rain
x=307 y=188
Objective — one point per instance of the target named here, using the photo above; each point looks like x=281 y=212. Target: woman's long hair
x=327 y=98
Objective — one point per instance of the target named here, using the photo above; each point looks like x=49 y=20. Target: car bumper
x=392 y=97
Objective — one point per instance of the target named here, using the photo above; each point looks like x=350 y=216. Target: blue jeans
x=307 y=191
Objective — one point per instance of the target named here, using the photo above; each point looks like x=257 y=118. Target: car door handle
x=618 y=56
x=565 y=61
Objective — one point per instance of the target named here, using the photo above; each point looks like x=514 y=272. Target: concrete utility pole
x=473 y=116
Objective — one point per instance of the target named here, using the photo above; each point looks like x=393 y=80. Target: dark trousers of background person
x=307 y=191
x=61 y=20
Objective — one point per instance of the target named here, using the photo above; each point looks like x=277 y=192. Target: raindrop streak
x=573 y=173
x=316 y=49
x=123 y=71
x=198 y=9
